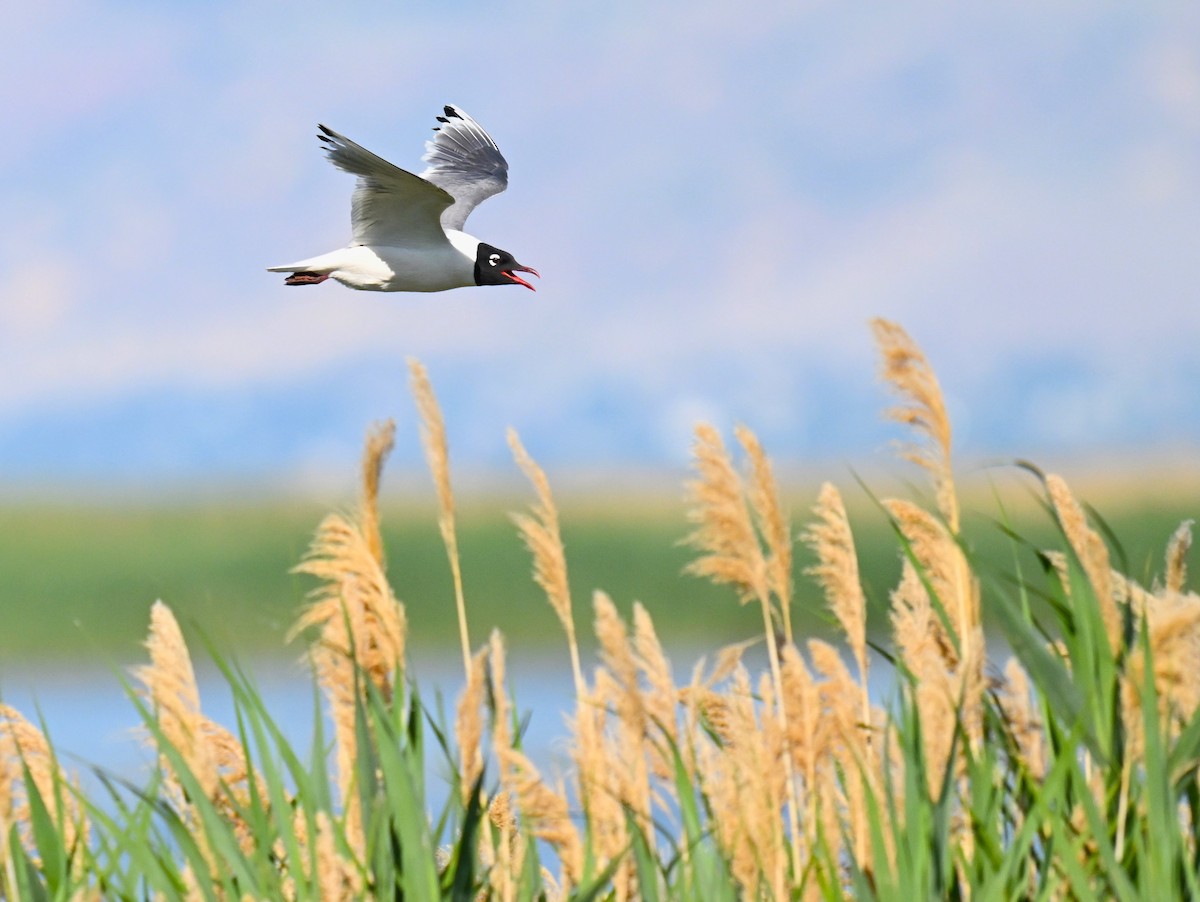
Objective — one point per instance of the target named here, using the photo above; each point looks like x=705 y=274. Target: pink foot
x=305 y=278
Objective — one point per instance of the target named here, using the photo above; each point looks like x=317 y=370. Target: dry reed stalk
x=504 y=872
x=853 y=769
x=836 y=570
x=236 y=776
x=731 y=554
x=600 y=772
x=362 y=630
x=946 y=572
x=1177 y=551
x=747 y=790
x=808 y=738
x=1174 y=636
x=210 y=752
x=501 y=710
x=23 y=747
x=355 y=589
x=335 y=876
x=698 y=697
x=1016 y=701
x=942 y=563
x=906 y=369
x=659 y=697
x=468 y=725
x=170 y=685
x=773 y=524
x=381 y=438
x=437 y=454
x=547 y=813
x=509 y=851
x=1171 y=617
x=617 y=654
x=915 y=629
x=361 y=625
x=621 y=765
x=215 y=757
x=772 y=787
x=334 y=665
x=346 y=554
x=1089 y=547
x=540 y=532
x=728 y=659
x=502 y=727
x=724 y=530
x=703 y=708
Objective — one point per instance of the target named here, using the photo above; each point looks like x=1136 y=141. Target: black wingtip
x=325 y=128
x=442 y=119
x=451 y=111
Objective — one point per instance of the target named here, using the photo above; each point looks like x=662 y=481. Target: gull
x=408 y=228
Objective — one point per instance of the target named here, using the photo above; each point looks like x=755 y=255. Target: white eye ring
x=494 y=259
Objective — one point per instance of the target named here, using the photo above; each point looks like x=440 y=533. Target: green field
x=78 y=580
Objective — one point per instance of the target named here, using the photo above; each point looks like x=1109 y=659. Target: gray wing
x=465 y=161
x=390 y=207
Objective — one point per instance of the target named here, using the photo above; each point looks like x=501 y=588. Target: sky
x=718 y=203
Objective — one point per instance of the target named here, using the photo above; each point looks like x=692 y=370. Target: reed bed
x=1067 y=769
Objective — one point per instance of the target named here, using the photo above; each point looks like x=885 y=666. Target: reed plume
x=437 y=454
x=1177 y=551
x=617 y=684
x=732 y=554
x=1091 y=551
x=346 y=554
x=468 y=725
x=773 y=524
x=212 y=755
x=907 y=371
x=360 y=624
x=1024 y=721
x=808 y=735
x=26 y=756
x=335 y=876
x=546 y=812
x=355 y=593
x=922 y=648
x=508 y=853
x=836 y=571
x=723 y=527
x=851 y=769
x=170 y=685
x=747 y=790
x=381 y=438
x=660 y=696
x=539 y=530
x=943 y=566
x=501 y=711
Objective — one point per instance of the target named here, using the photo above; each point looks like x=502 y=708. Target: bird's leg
x=306 y=278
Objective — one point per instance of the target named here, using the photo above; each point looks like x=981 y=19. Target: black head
x=496 y=267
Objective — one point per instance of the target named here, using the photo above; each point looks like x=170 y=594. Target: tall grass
x=1066 y=770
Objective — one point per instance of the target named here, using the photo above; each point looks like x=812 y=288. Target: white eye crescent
x=494 y=259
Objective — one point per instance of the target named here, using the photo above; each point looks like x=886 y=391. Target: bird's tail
x=313 y=271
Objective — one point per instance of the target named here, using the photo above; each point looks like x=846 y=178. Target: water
x=92 y=723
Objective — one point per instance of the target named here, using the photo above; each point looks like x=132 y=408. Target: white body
x=433 y=267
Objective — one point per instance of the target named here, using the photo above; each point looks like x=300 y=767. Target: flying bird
x=408 y=228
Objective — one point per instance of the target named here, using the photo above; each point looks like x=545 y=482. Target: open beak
x=512 y=275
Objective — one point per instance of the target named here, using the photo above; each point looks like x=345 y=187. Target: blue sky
x=718 y=202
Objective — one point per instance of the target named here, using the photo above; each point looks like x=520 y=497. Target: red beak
x=518 y=279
